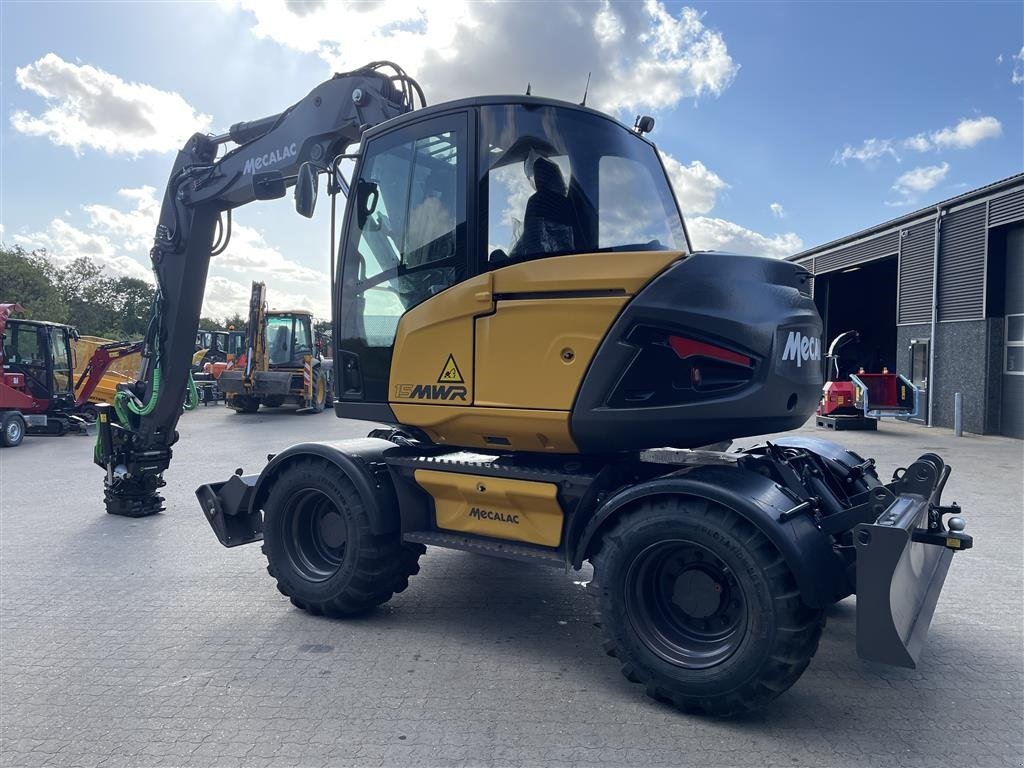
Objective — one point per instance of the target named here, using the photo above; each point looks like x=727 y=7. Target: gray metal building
x=937 y=295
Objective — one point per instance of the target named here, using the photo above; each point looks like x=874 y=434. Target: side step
x=490 y=547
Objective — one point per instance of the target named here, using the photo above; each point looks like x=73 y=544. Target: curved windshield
x=288 y=339
x=560 y=181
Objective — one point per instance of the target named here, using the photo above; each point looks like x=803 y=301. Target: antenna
x=527 y=89
x=585 y=91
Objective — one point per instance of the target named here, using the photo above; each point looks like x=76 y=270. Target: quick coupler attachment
x=227 y=507
x=902 y=561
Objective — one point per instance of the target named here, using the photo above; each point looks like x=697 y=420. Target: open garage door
x=863 y=299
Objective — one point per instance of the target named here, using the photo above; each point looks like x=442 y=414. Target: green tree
x=209 y=324
x=132 y=300
x=26 y=278
x=240 y=323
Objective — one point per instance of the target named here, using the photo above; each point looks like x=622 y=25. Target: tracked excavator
x=516 y=299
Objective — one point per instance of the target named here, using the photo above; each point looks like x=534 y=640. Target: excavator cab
x=515 y=274
x=289 y=338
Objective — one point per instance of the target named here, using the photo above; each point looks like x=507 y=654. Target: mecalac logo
x=801 y=348
x=259 y=162
x=488 y=514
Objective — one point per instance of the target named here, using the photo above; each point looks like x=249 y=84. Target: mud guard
x=902 y=561
x=819 y=572
x=233 y=507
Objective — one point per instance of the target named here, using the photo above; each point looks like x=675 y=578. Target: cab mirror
x=367 y=195
x=305 y=190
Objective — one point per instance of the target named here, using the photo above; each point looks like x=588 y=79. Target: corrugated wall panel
x=866 y=250
x=962 y=264
x=917 y=256
x=1006 y=209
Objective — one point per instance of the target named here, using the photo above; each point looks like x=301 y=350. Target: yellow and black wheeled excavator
x=516 y=298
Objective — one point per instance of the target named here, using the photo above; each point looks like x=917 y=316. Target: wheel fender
x=819 y=572
x=362 y=461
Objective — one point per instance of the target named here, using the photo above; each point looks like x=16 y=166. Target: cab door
x=406 y=243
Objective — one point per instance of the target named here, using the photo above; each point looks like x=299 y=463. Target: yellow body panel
x=533 y=354
x=502 y=508
x=628 y=272
x=496 y=360
x=517 y=429
x=428 y=335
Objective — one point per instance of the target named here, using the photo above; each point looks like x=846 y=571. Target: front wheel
x=12 y=429
x=700 y=608
x=244 y=404
x=319 y=546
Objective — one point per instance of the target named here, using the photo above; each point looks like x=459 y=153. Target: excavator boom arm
x=136 y=438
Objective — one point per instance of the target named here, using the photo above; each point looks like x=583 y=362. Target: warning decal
x=450 y=374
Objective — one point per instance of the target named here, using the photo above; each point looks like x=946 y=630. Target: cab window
x=557 y=181
x=406 y=242
x=411 y=233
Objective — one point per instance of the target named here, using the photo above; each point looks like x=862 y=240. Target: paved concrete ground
x=144 y=643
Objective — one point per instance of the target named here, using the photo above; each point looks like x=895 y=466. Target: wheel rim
x=13 y=431
x=686 y=604
x=315 y=535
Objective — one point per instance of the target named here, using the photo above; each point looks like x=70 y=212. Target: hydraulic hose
x=192 y=399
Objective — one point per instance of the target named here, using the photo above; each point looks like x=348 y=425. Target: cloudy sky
x=783 y=125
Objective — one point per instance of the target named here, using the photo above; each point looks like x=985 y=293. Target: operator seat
x=279 y=349
x=549 y=224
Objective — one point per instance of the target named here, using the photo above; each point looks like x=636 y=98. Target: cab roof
x=482 y=101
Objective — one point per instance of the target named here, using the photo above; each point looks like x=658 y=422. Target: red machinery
x=37 y=392
x=863 y=399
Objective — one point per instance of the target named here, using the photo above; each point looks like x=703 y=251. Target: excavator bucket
x=902 y=560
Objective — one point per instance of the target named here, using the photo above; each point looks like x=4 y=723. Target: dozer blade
x=901 y=567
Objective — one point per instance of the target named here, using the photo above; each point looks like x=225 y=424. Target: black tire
x=89 y=412
x=245 y=404
x=319 y=547
x=329 y=400
x=319 y=391
x=733 y=633
x=12 y=429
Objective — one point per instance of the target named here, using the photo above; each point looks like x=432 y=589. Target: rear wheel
x=245 y=404
x=12 y=429
x=319 y=546
x=700 y=608
x=319 y=390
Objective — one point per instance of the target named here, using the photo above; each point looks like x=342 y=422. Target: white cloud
x=709 y=233
x=965 y=134
x=224 y=297
x=1017 y=76
x=119 y=238
x=695 y=185
x=640 y=55
x=918 y=181
x=777 y=210
x=919 y=143
x=88 y=107
x=249 y=252
x=65 y=242
x=869 y=150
